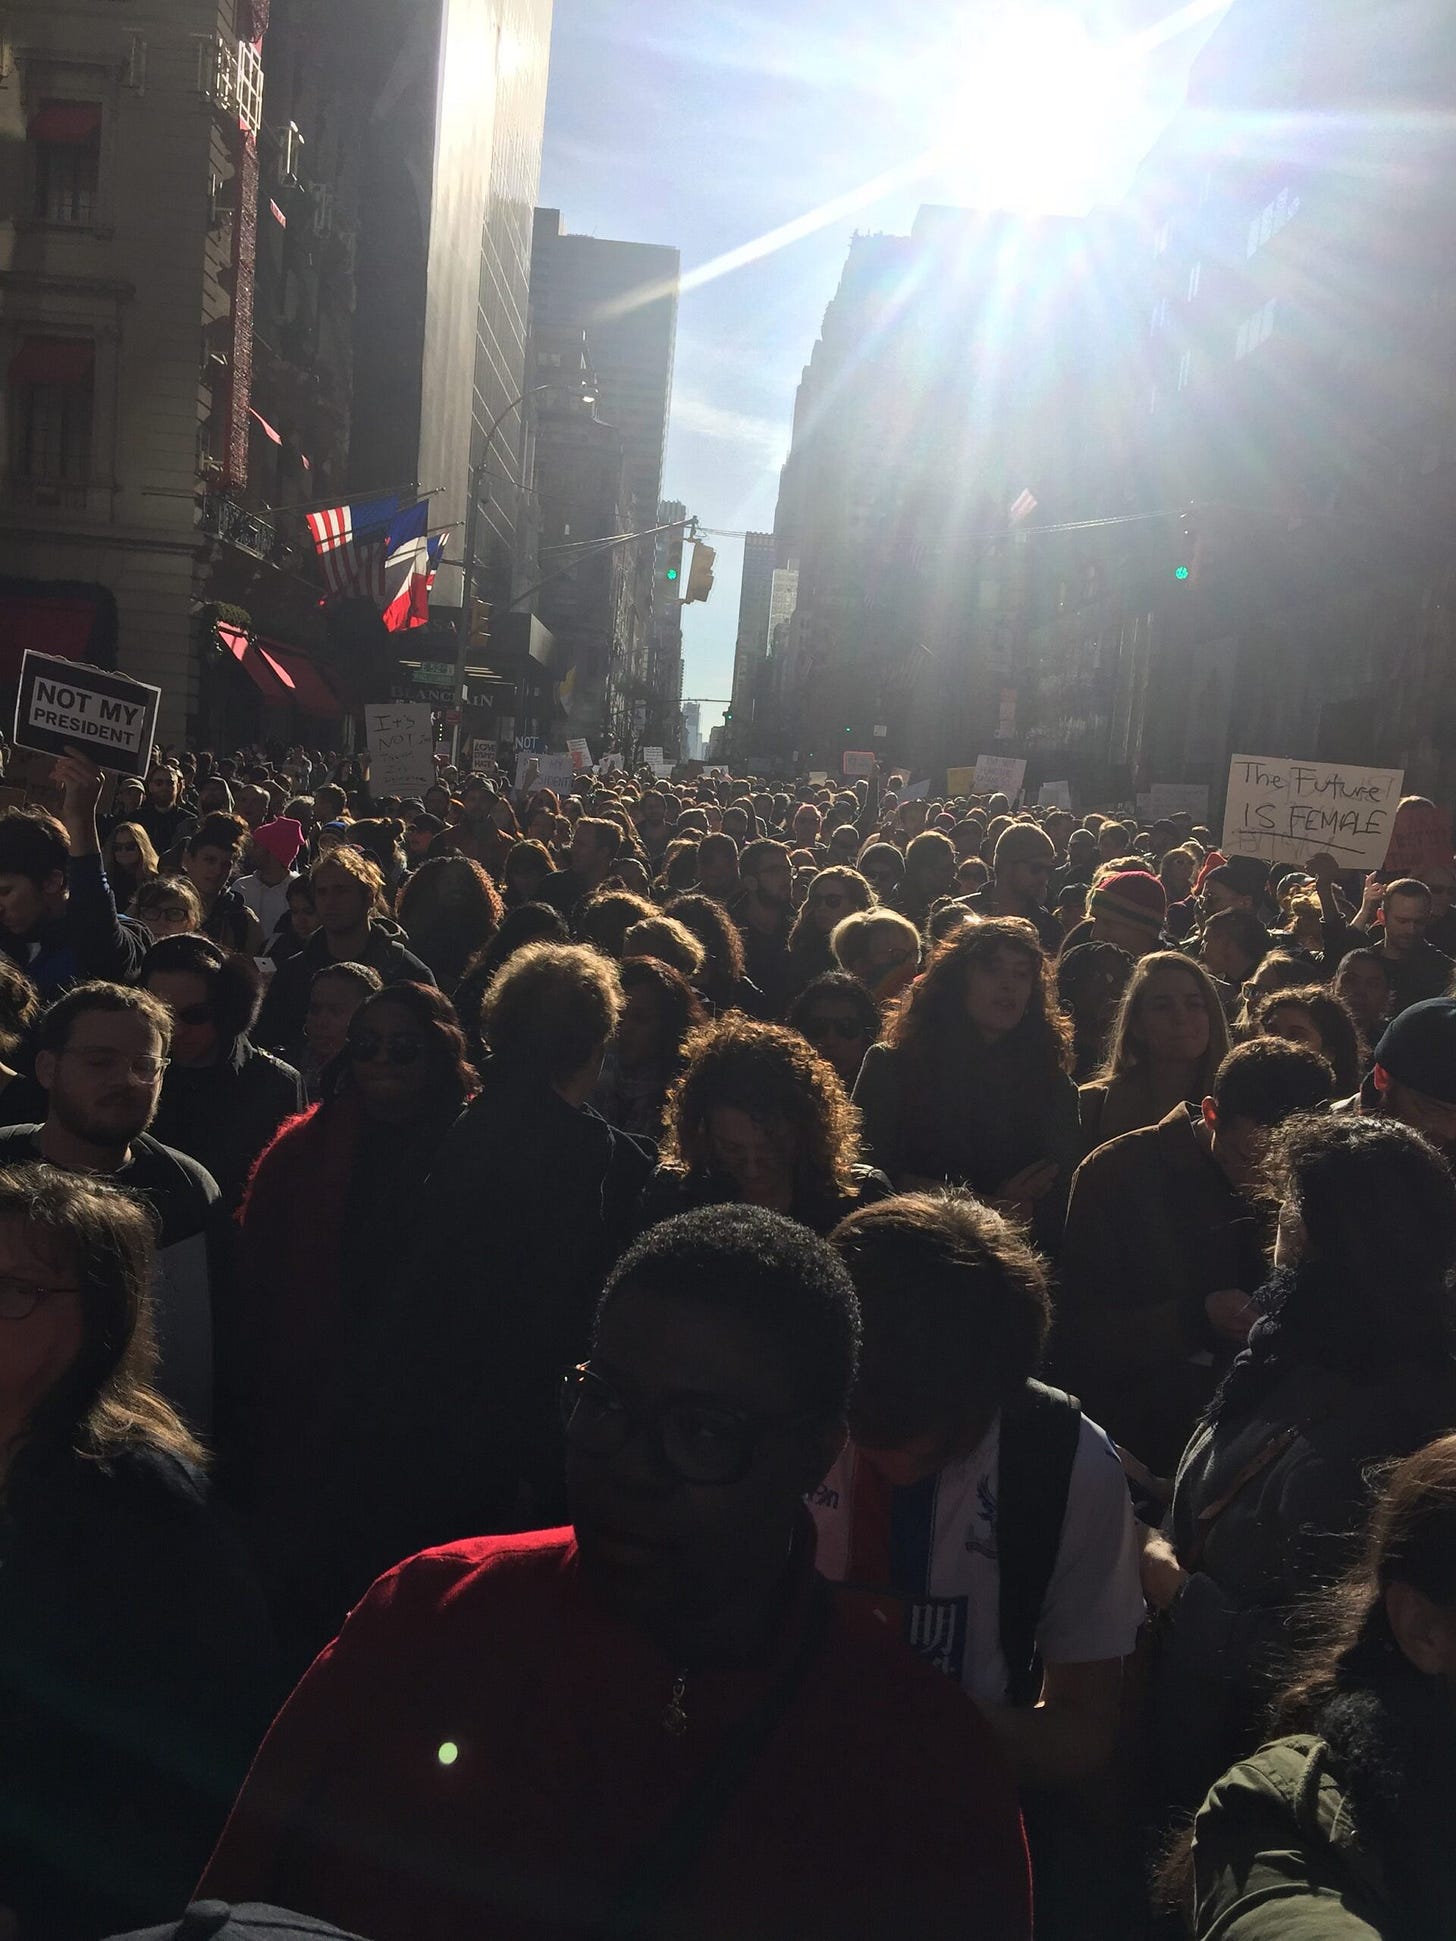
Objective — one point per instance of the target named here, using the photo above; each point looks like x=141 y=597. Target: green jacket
x=1276 y=1855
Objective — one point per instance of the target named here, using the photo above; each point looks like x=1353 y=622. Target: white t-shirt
x=943 y=1538
x=267 y=901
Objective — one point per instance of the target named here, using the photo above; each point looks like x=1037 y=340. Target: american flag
x=351 y=542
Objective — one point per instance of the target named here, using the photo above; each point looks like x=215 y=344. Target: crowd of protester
x=706 y=1358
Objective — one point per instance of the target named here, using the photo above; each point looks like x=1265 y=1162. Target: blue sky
x=710 y=128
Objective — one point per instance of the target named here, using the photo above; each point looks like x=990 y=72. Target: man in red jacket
x=660 y=1721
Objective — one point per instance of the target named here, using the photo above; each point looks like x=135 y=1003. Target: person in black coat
x=137 y=1671
x=222 y=1099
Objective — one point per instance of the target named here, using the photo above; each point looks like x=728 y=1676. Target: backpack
x=1039 y=1435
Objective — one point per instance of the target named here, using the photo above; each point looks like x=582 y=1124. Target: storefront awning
x=68 y=122
x=66 y=361
x=284 y=676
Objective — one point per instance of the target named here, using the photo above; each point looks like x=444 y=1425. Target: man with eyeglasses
x=101 y=1051
x=659 y=1720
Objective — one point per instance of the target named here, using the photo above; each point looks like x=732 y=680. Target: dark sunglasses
x=842 y=1027
x=368 y=1048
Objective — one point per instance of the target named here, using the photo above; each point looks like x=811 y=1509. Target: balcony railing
x=223 y=518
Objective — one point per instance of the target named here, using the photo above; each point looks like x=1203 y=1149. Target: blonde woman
x=129 y=860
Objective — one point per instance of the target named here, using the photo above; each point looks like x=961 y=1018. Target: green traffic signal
x=672 y=572
x=1180 y=573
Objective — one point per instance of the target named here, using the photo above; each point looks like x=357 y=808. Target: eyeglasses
x=842 y=1027
x=20 y=1299
x=697 y=1441
x=368 y=1048
x=102 y=1060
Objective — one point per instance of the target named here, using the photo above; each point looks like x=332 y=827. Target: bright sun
x=1032 y=105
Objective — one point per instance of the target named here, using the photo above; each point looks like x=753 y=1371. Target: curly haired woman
x=759 y=1117
x=972 y=1084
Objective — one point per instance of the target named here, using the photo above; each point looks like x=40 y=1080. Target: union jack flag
x=351 y=542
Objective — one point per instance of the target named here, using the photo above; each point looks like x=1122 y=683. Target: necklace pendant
x=675 y=1719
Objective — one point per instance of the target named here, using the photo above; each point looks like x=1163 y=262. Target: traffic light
x=1182 y=572
x=672 y=573
x=1186 y=568
x=700 y=579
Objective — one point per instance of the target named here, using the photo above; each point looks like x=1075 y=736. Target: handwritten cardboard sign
x=401 y=747
x=64 y=704
x=1288 y=811
x=1000 y=775
x=553 y=772
x=1420 y=840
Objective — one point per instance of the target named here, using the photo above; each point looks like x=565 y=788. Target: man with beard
x=101 y=1051
x=595 y=842
x=764 y=914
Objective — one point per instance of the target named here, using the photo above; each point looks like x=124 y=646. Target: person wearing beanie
x=1127 y=910
x=1023 y=860
x=275 y=847
x=1413 y=1077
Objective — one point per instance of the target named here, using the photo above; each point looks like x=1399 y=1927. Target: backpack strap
x=1039 y=1434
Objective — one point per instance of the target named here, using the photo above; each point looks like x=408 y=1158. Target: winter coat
x=1288 y=1529
x=223 y=1115
x=285 y=1008
x=136 y=1681
x=976 y=1127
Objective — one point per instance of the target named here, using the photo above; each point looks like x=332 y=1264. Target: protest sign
x=579 y=752
x=482 y=756
x=960 y=781
x=651 y=757
x=1287 y=811
x=553 y=772
x=64 y=703
x=401 y=738
x=1175 y=798
x=915 y=792
x=860 y=761
x=1420 y=840
x=1054 y=795
x=818 y=776
x=999 y=775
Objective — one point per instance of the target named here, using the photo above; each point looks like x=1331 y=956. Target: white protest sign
x=916 y=794
x=401 y=739
x=1054 y=795
x=1176 y=798
x=1287 y=811
x=651 y=758
x=553 y=772
x=999 y=775
x=579 y=752
x=64 y=703
x=482 y=755
x=860 y=761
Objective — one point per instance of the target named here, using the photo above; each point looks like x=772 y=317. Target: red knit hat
x=1134 y=895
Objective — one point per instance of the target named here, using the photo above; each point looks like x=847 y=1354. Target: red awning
x=66 y=361
x=68 y=122
x=260 y=671
x=310 y=691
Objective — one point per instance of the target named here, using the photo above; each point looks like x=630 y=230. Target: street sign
x=434 y=673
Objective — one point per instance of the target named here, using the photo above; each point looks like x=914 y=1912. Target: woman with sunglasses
x=222 y=1098
x=326 y=1220
x=840 y=1019
x=834 y=894
x=129 y=860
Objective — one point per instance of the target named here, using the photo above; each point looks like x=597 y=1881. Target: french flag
x=410 y=561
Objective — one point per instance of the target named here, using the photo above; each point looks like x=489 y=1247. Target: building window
x=1185 y=369
x=66 y=138
x=250 y=87
x=1271 y=219
x=1195 y=278
x=51 y=390
x=1254 y=331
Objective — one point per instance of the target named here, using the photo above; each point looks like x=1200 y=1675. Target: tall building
x=963 y=390
x=252 y=257
x=751 y=647
x=623 y=297
x=1298 y=401
x=692 y=731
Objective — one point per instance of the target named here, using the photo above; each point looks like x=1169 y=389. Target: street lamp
x=585 y=395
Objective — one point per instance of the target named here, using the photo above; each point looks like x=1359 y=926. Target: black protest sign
x=65 y=704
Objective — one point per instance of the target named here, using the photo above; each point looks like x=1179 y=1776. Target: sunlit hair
x=1127 y=1048
x=19 y=1007
x=669 y=941
x=1340 y=1039
x=930 y=1024
x=852 y=938
x=714 y=929
x=604 y=919
x=218 y=831
x=150 y=863
x=551 y=1009
x=363 y=869
x=770 y=1073
x=103 y=1241
x=168 y=889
